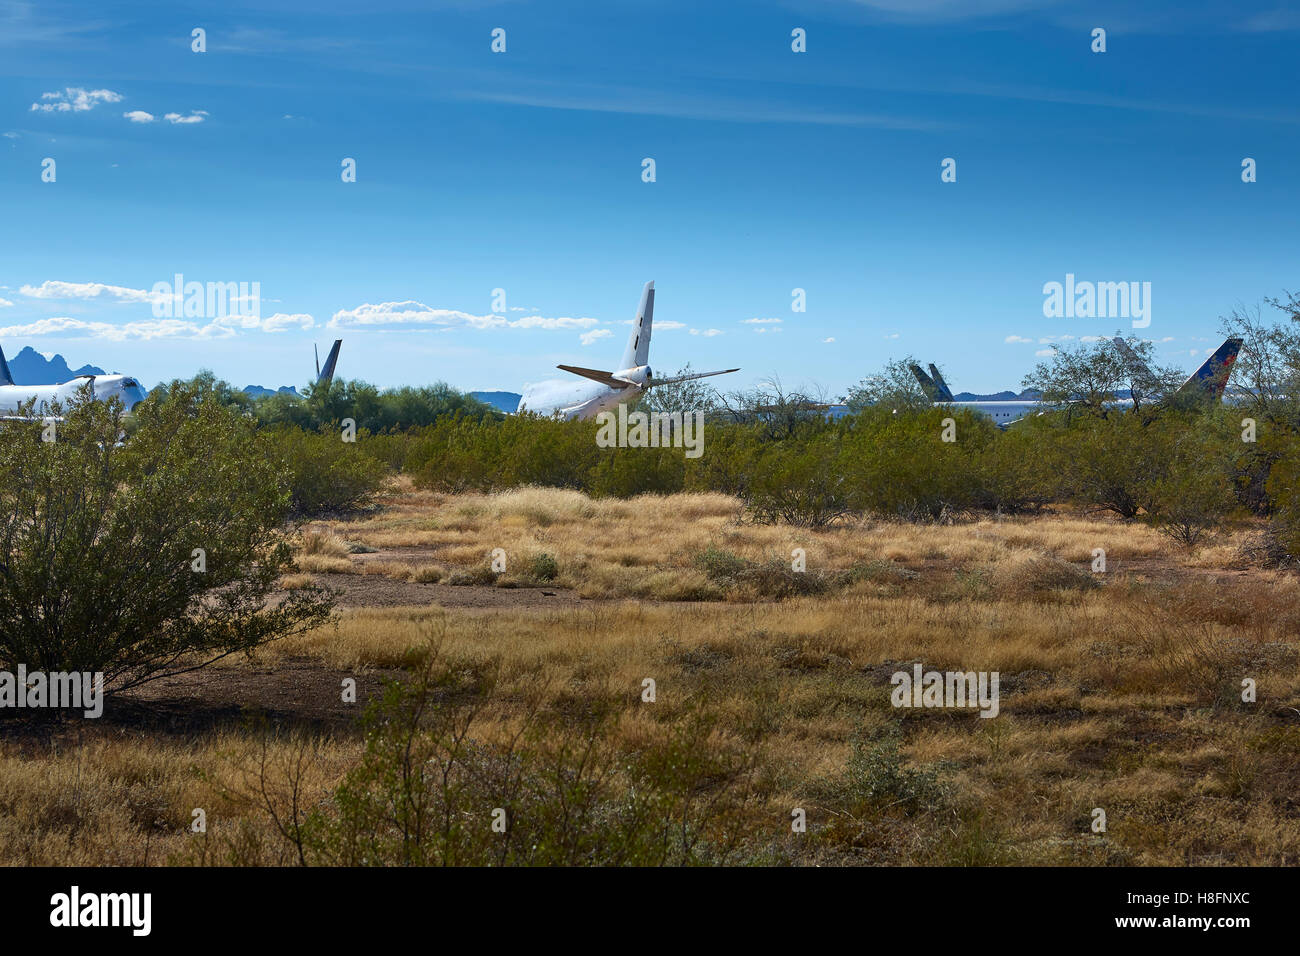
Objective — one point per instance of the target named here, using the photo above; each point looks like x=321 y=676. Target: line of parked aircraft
x=1208 y=380
x=604 y=391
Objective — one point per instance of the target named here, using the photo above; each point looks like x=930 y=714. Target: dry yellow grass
x=1120 y=691
x=646 y=547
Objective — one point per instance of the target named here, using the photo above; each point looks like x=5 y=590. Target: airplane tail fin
x=326 y=375
x=5 y=377
x=1212 y=377
x=638 y=340
x=927 y=384
x=944 y=390
x=1134 y=361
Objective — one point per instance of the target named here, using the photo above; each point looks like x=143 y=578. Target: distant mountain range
x=508 y=402
x=30 y=367
x=1027 y=395
x=257 y=391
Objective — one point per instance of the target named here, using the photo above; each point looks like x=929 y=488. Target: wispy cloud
x=280 y=322
x=74 y=99
x=144 y=330
x=408 y=314
x=139 y=116
x=55 y=289
x=587 y=338
x=608 y=99
x=195 y=116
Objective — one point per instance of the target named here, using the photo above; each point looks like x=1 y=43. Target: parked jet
x=1209 y=381
x=103 y=387
x=326 y=375
x=607 y=390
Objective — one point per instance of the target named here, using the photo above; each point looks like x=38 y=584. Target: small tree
x=144 y=558
x=894 y=387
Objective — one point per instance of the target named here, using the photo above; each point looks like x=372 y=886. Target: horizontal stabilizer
x=687 y=378
x=605 y=378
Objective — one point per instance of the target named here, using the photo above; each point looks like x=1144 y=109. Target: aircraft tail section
x=927 y=384
x=5 y=377
x=638 y=341
x=596 y=375
x=944 y=391
x=326 y=375
x=1212 y=377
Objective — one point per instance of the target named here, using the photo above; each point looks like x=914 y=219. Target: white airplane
x=606 y=390
x=1209 y=380
x=103 y=387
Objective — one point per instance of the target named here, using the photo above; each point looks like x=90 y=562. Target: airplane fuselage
x=104 y=388
x=562 y=399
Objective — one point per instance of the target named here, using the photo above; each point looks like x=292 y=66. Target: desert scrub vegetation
x=142 y=558
x=1126 y=697
x=559 y=788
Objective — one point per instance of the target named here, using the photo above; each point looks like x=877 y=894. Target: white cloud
x=1044 y=353
x=281 y=322
x=707 y=333
x=760 y=321
x=410 y=313
x=828 y=341
x=588 y=337
x=5 y=303
x=54 y=289
x=139 y=116
x=891 y=335
x=662 y=326
x=74 y=99
x=142 y=330
x=12 y=135
x=196 y=116
x=1017 y=340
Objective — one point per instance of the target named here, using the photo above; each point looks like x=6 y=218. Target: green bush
x=326 y=474
x=142 y=558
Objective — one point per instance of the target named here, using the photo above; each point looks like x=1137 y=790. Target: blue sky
x=522 y=171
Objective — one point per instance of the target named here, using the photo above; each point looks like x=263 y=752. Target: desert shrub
x=324 y=543
x=875 y=779
x=628 y=472
x=897 y=463
x=800 y=482
x=565 y=791
x=1284 y=495
x=99 y=541
x=326 y=474
x=543 y=568
x=374 y=411
x=1024 y=574
x=771 y=578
